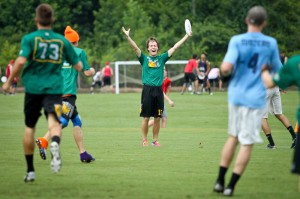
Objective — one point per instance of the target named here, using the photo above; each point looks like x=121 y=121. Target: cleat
x=86 y=158
x=42 y=144
x=293 y=144
x=145 y=143
x=269 y=146
x=219 y=188
x=155 y=143
x=30 y=177
x=55 y=157
x=228 y=192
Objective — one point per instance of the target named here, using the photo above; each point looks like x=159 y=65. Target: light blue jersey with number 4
x=248 y=52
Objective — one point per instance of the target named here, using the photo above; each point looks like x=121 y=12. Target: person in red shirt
x=189 y=76
x=7 y=74
x=107 y=73
x=166 y=89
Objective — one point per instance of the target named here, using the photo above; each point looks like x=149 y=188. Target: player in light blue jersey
x=245 y=56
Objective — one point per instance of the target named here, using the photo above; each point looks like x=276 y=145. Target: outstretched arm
x=177 y=45
x=171 y=103
x=131 y=42
x=89 y=72
x=266 y=77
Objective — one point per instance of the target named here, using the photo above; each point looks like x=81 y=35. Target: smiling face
x=152 y=47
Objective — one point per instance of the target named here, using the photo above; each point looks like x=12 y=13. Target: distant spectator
x=97 y=80
x=214 y=78
x=9 y=68
x=283 y=58
x=107 y=74
x=189 y=76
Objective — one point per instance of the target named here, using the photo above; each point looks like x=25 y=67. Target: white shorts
x=273 y=102
x=245 y=123
x=164 y=114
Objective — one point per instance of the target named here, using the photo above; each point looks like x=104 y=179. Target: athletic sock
x=234 y=178
x=29 y=161
x=56 y=139
x=270 y=138
x=291 y=130
x=221 y=177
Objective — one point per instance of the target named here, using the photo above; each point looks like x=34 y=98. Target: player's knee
x=64 y=122
x=77 y=121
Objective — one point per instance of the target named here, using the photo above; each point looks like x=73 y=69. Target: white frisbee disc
x=201 y=75
x=3 y=79
x=188 y=27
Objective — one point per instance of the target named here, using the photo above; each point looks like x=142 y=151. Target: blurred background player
x=97 y=80
x=166 y=88
x=274 y=107
x=107 y=73
x=189 y=76
x=288 y=75
x=214 y=78
x=42 y=80
x=69 y=109
x=8 y=71
x=204 y=67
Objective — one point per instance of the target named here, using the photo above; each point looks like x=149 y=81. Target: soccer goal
x=128 y=73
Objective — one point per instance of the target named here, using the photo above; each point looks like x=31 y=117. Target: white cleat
x=30 y=176
x=55 y=157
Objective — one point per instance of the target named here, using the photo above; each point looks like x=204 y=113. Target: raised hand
x=126 y=32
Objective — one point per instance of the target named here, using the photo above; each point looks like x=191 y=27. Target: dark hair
x=195 y=56
x=257 y=15
x=44 y=14
x=151 y=39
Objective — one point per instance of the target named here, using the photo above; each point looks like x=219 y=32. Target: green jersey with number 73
x=45 y=52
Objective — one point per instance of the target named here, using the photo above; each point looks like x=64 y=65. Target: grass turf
x=180 y=168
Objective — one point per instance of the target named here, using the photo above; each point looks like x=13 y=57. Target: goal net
x=128 y=74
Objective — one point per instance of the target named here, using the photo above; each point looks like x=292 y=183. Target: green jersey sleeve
x=25 y=47
x=83 y=58
x=284 y=78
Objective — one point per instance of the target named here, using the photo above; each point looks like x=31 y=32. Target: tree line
x=99 y=23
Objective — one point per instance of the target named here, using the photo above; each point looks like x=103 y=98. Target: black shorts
x=203 y=81
x=107 y=81
x=69 y=110
x=99 y=83
x=188 y=77
x=34 y=103
x=152 y=102
x=296 y=158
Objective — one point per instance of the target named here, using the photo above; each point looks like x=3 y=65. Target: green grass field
x=180 y=168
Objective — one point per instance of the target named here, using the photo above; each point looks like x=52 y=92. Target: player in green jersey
x=288 y=75
x=69 y=109
x=41 y=55
x=152 y=102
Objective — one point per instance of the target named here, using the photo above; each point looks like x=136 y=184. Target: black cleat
x=294 y=143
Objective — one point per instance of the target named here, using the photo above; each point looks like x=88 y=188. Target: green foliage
x=99 y=24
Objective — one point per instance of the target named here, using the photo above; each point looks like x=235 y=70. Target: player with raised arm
x=152 y=100
x=244 y=58
x=41 y=55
